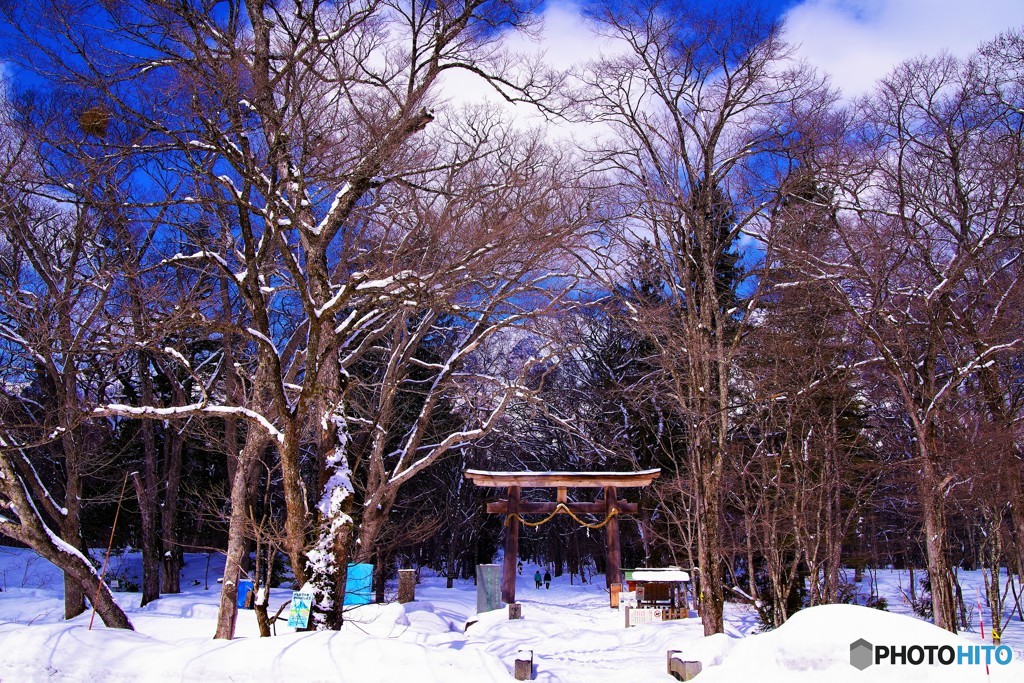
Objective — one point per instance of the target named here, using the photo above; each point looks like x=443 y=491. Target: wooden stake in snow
x=524 y=665
x=110 y=544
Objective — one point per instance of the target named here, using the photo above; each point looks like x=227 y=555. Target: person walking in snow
x=547 y=580
x=520 y=569
x=536 y=578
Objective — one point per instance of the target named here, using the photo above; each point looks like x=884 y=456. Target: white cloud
x=856 y=41
x=565 y=40
x=859 y=41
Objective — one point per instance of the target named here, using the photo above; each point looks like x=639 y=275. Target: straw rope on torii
x=562 y=507
x=513 y=508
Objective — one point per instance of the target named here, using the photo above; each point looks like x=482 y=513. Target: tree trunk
x=238 y=542
x=146 y=496
x=172 y=559
x=992 y=558
x=751 y=577
x=711 y=593
x=380 y=576
x=29 y=528
x=834 y=514
x=70 y=524
x=450 y=569
x=371 y=526
x=342 y=554
x=74 y=595
x=295 y=505
x=943 y=595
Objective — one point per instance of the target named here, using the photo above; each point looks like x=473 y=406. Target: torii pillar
x=512 y=507
x=508 y=568
x=613 y=550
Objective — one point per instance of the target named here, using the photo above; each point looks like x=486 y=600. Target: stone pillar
x=488 y=587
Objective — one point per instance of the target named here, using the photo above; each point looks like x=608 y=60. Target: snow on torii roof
x=662 y=575
x=563 y=479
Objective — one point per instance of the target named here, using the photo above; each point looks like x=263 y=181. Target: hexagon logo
x=861 y=654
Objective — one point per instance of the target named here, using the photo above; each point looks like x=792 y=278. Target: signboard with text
x=302 y=603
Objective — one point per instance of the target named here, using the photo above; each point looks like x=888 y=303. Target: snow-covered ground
x=574 y=634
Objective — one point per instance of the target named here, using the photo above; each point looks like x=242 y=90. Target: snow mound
x=382 y=621
x=70 y=653
x=424 y=619
x=709 y=651
x=814 y=645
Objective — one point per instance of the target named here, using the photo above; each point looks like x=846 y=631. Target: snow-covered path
x=576 y=636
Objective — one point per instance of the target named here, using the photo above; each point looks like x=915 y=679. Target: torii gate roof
x=563 y=479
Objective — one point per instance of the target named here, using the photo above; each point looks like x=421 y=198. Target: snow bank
x=709 y=651
x=814 y=645
x=69 y=652
x=574 y=634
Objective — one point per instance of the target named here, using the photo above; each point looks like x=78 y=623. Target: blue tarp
x=244 y=587
x=359 y=586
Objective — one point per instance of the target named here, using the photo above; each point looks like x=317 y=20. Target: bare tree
x=347 y=230
x=926 y=257
x=55 y=286
x=695 y=104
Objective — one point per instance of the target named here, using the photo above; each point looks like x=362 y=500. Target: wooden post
x=406 y=585
x=613 y=593
x=508 y=569
x=613 y=565
x=524 y=665
x=515 y=610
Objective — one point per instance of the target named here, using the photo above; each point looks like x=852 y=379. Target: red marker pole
x=981 y=623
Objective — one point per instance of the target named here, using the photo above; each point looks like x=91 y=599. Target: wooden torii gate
x=608 y=506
